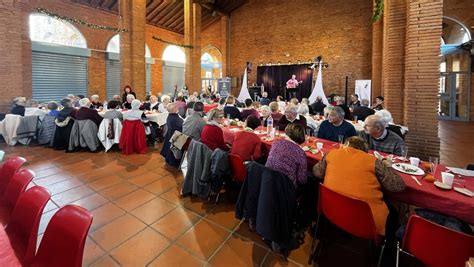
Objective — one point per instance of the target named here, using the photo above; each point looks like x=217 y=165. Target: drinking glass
x=355 y=119
x=434 y=161
x=405 y=153
x=340 y=138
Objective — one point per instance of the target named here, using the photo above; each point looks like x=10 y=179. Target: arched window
x=454 y=32
x=206 y=58
x=174 y=54
x=114 y=44
x=49 y=30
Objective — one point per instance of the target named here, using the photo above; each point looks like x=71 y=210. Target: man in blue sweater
x=335 y=125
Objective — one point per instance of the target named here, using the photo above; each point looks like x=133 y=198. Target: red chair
x=10 y=167
x=350 y=214
x=239 y=172
x=64 y=239
x=436 y=245
x=133 y=139
x=25 y=219
x=16 y=186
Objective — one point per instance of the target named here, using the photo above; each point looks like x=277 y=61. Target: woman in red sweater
x=247 y=144
x=212 y=134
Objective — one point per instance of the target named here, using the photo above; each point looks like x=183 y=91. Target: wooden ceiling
x=169 y=14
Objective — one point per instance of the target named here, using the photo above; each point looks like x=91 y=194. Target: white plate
x=464 y=191
x=260 y=132
x=407 y=168
x=441 y=185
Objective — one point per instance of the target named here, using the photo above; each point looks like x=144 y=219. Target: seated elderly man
x=335 y=126
x=303 y=110
x=387 y=116
x=291 y=116
x=265 y=101
x=173 y=123
x=95 y=102
x=53 y=109
x=318 y=106
x=86 y=113
x=194 y=123
x=362 y=111
x=118 y=99
x=112 y=112
x=381 y=139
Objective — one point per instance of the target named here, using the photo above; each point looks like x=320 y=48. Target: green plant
x=378 y=11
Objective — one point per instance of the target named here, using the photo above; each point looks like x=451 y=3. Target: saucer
x=442 y=186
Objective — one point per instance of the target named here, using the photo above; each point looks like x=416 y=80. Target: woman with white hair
x=134 y=113
x=387 y=117
x=19 y=104
x=266 y=112
x=212 y=134
x=86 y=113
x=128 y=103
x=165 y=101
x=303 y=110
x=95 y=102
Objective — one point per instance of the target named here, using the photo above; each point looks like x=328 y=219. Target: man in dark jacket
x=318 y=106
x=363 y=111
x=173 y=123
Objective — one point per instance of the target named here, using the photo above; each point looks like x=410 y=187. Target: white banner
x=318 y=89
x=363 y=89
x=244 y=90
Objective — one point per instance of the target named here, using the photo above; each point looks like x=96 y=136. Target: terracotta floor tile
x=301 y=254
x=52 y=179
x=63 y=186
x=176 y=256
x=153 y=210
x=203 y=239
x=224 y=215
x=132 y=171
x=161 y=186
x=140 y=249
x=240 y=252
x=105 y=182
x=275 y=260
x=135 y=199
x=243 y=230
x=92 y=252
x=38 y=166
x=46 y=172
x=105 y=261
x=198 y=206
x=144 y=179
x=72 y=195
x=174 y=196
x=95 y=175
x=173 y=224
x=116 y=232
x=118 y=190
x=105 y=214
x=91 y=202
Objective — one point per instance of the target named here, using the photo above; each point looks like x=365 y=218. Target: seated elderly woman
x=281 y=104
x=165 y=101
x=249 y=110
x=95 y=102
x=134 y=113
x=246 y=143
x=230 y=110
x=66 y=111
x=53 y=109
x=19 y=104
x=291 y=116
x=212 y=134
x=336 y=126
x=351 y=171
x=86 y=113
x=112 y=112
x=287 y=157
x=303 y=110
x=266 y=113
x=128 y=103
x=173 y=123
x=152 y=104
x=118 y=99
x=276 y=114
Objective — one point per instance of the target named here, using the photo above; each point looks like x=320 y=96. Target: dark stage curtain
x=274 y=79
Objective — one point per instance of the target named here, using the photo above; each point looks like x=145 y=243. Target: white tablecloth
x=158 y=117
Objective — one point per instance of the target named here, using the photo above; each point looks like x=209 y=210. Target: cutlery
x=416 y=180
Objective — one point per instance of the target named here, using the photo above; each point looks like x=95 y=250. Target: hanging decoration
x=171 y=43
x=378 y=11
x=78 y=21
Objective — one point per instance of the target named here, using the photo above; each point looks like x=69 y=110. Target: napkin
x=461 y=171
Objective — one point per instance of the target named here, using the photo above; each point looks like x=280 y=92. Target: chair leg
x=314 y=248
x=379 y=262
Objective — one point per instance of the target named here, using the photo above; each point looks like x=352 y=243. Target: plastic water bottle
x=269 y=125
x=105 y=105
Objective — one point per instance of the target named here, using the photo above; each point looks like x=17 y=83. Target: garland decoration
x=378 y=11
x=171 y=43
x=78 y=21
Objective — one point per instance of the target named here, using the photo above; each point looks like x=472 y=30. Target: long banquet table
x=158 y=117
x=426 y=196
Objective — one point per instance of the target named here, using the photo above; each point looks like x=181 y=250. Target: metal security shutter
x=112 y=69
x=148 y=78
x=173 y=74
x=57 y=75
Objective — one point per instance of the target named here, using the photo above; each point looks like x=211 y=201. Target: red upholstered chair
x=16 y=186
x=238 y=168
x=436 y=245
x=350 y=214
x=10 y=167
x=64 y=239
x=133 y=139
x=24 y=222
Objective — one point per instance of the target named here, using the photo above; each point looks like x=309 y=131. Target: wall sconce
x=287 y=54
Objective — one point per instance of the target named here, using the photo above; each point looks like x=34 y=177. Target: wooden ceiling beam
x=176 y=18
x=164 y=10
x=170 y=14
x=154 y=12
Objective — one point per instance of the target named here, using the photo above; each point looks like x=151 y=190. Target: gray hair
x=386 y=116
x=130 y=97
x=94 y=97
x=166 y=98
x=364 y=102
x=214 y=114
x=379 y=121
x=340 y=112
x=291 y=108
x=303 y=109
x=52 y=105
x=266 y=108
x=305 y=101
x=84 y=102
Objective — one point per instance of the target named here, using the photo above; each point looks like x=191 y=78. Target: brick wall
x=340 y=31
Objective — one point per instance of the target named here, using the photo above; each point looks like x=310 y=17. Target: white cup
x=414 y=161
x=447 y=178
x=319 y=145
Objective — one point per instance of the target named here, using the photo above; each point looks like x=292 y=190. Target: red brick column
x=132 y=45
x=377 y=49
x=423 y=33
x=192 y=36
x=225 y=46
x=393 y=63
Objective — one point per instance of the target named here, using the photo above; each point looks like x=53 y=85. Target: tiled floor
x=139 y=218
